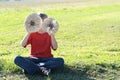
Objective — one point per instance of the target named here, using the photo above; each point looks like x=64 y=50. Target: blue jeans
x=30 y=64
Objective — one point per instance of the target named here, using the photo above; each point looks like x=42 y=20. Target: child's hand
x=29 y=32
x=50 y=32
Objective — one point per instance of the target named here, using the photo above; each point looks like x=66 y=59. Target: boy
x=41 y=58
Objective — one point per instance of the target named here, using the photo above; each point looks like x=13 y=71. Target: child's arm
x=54 y=42
x=24 y=41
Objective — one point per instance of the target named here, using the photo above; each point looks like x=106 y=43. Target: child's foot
x=45 y=71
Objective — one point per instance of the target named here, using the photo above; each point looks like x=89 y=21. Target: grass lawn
x=88 y=38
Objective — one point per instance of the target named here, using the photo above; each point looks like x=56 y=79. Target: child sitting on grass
x=41 y=59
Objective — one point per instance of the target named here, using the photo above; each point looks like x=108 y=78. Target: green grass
x=88 y=38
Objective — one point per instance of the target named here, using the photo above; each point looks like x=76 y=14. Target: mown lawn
x=88 y=38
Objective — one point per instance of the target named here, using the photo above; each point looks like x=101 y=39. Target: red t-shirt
x=40 y=45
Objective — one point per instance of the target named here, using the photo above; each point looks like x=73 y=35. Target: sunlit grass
x=88 y=38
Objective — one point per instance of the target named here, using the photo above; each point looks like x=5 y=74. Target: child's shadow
x=65 y=73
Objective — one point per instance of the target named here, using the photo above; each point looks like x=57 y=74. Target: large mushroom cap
x=32 y=22
x=50 y=25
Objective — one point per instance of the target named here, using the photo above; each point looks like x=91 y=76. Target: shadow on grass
x=75 y=71
x=66 y=73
